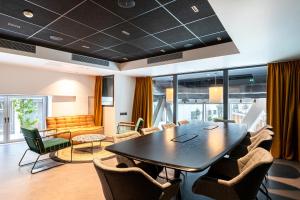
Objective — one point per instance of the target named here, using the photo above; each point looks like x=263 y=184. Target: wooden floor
x=80 y=181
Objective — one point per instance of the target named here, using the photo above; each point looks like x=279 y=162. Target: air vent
x=17 y=46
x=163 y=58
x=88 y=59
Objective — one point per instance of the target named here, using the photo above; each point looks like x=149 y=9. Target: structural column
x=225 y=93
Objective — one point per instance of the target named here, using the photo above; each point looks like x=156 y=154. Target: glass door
x=2 y=119
x=30 y=110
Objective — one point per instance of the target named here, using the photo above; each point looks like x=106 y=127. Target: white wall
x=123 y=100
x=70 y=91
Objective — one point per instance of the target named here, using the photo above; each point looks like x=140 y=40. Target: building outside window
x=247 y=96
x=193 y=96
x=197 y=102
x=162 y=100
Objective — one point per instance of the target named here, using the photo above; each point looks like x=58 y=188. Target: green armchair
x=124 y=127
x=42 y=146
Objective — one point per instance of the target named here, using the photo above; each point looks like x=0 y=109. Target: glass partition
x=199 y=97
x=247 y=96
x=162 y=100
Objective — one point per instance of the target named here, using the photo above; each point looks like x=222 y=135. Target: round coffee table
x=88 y=138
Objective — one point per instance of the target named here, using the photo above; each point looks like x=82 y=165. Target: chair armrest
x=107 y=157
x=214 y=188
x=225 y=167
x=126 y=123
x=50 y=129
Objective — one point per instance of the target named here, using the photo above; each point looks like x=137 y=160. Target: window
x=247 y=96
x=162 y=100
x=10 y=109
x=200 y=97
x=193 y=96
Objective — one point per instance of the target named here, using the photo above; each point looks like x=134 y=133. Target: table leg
x=177 y=175
x=92 y=148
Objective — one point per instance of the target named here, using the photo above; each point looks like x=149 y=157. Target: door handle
x=4 y=120
x=7 y=119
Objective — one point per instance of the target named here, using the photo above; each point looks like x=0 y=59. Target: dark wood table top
x=198 y=145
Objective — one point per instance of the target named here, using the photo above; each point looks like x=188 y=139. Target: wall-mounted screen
x=108 y=91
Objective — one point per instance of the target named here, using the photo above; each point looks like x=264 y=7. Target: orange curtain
x=283 y=108
x=98 y=102
x=142 y=103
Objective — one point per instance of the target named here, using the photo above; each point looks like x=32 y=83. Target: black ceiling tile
x=44 y=43
x=148 y=42
x=161 y=50
x=139 y=8
x=166 y=1
x=182 y=9
x=57 y=5
x=206 y=26
x=83 y=46
x=93 y=15
x=89 y=16
x=103 y=40
x=72 y=28
x=125 y=31
x=107 y=53
x=46 y=34
x=18 y=26
x=15 y=9
x=188 y=44
x=175 y=35
x=217 y=38
x=155 y=21
x=128 y=49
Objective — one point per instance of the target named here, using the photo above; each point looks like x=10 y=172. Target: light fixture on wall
x=216 y=93
x=126 y=3
x=169 y=95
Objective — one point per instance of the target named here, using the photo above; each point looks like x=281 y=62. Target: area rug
x=82 y=152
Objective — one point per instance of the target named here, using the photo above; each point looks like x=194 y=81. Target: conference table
x=191 y=148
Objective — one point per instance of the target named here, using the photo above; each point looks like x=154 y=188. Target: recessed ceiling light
x=126 y=3
x=195 y=9
x=219 y=38
x=56 y=38
x=28 y=13
x=187 y=45
x=13 y=25
x=162 y=50
x=125 y=33
x=125 y=58
x=86 y=47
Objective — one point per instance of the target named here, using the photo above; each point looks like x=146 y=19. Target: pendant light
x=216 y=93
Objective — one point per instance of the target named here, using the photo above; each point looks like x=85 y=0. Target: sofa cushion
x=77 y=125
x=70 y=121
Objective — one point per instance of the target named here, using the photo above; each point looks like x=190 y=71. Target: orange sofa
x=78 y=125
